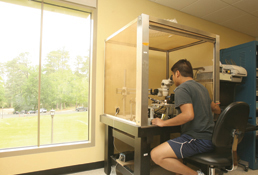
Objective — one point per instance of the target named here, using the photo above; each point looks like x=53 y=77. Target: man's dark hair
x=184 y=67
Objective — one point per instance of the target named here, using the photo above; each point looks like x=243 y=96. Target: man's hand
x=158 y=122
x=215 y=108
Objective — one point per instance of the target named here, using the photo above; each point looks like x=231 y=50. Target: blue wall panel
x=245 y=55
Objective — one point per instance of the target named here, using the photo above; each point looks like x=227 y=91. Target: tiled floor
x=159 y=171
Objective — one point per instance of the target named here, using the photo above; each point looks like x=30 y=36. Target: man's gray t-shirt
x=201 y=127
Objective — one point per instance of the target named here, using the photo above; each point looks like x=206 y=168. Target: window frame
x=92 y=98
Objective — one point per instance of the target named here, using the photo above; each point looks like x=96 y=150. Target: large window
x=45 y=72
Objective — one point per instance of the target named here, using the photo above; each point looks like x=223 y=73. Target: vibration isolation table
x=139 y=137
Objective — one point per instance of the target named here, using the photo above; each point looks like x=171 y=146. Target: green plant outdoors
x=23 y=131
x=64 y=82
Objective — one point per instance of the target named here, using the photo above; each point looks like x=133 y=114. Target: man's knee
x=156 y=158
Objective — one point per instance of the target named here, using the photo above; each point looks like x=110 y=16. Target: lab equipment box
x=139 y=56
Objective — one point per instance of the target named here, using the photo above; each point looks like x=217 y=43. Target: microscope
x=163 y=109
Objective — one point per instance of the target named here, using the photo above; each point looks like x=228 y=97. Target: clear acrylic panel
x=120 y=73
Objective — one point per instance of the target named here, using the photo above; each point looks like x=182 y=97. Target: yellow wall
x=112 y=15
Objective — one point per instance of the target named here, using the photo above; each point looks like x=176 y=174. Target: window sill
x=44 y=148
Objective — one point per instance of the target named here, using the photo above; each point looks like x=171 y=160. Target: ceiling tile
x=224 y=15
x=239 y=15
x=247 y=5
x=175 y=4
x=255 y=13
x=230 y=1
x=204 y=7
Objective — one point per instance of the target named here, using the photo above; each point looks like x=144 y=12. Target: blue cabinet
x=245 y=55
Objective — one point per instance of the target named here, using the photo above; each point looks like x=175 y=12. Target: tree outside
x=64 y=73
x=61 y=87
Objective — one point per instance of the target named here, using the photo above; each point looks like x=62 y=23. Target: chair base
x=206 y=169
x=210 y=170
x=244 y=164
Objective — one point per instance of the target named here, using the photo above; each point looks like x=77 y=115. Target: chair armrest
x=250 y=127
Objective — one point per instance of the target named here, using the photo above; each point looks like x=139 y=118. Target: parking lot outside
x=9 y=112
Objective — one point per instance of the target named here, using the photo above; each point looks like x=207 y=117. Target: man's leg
x=164 y=156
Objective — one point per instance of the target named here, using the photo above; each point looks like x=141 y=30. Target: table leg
x=141 y=156
x=109 y=149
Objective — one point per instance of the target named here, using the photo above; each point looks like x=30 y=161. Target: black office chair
x=228 y=132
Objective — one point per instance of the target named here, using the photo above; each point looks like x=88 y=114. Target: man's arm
x=215 y=108
x=184 y=117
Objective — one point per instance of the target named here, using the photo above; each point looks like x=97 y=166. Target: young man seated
x=195 y=117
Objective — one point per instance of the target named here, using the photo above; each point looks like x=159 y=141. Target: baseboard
x=69 y=169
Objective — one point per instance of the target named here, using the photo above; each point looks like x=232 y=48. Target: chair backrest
x=234 y=116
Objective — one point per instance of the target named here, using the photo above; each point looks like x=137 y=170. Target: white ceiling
x=239 y=15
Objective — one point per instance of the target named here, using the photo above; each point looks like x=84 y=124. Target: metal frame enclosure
x=146 y=25
x=142 y=61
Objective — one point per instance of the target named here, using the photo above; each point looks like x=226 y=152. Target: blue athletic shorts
x=185 y=146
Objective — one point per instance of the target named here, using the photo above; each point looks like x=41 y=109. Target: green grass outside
x=22 y=131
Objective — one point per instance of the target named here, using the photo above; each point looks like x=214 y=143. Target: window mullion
x=40 y=55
